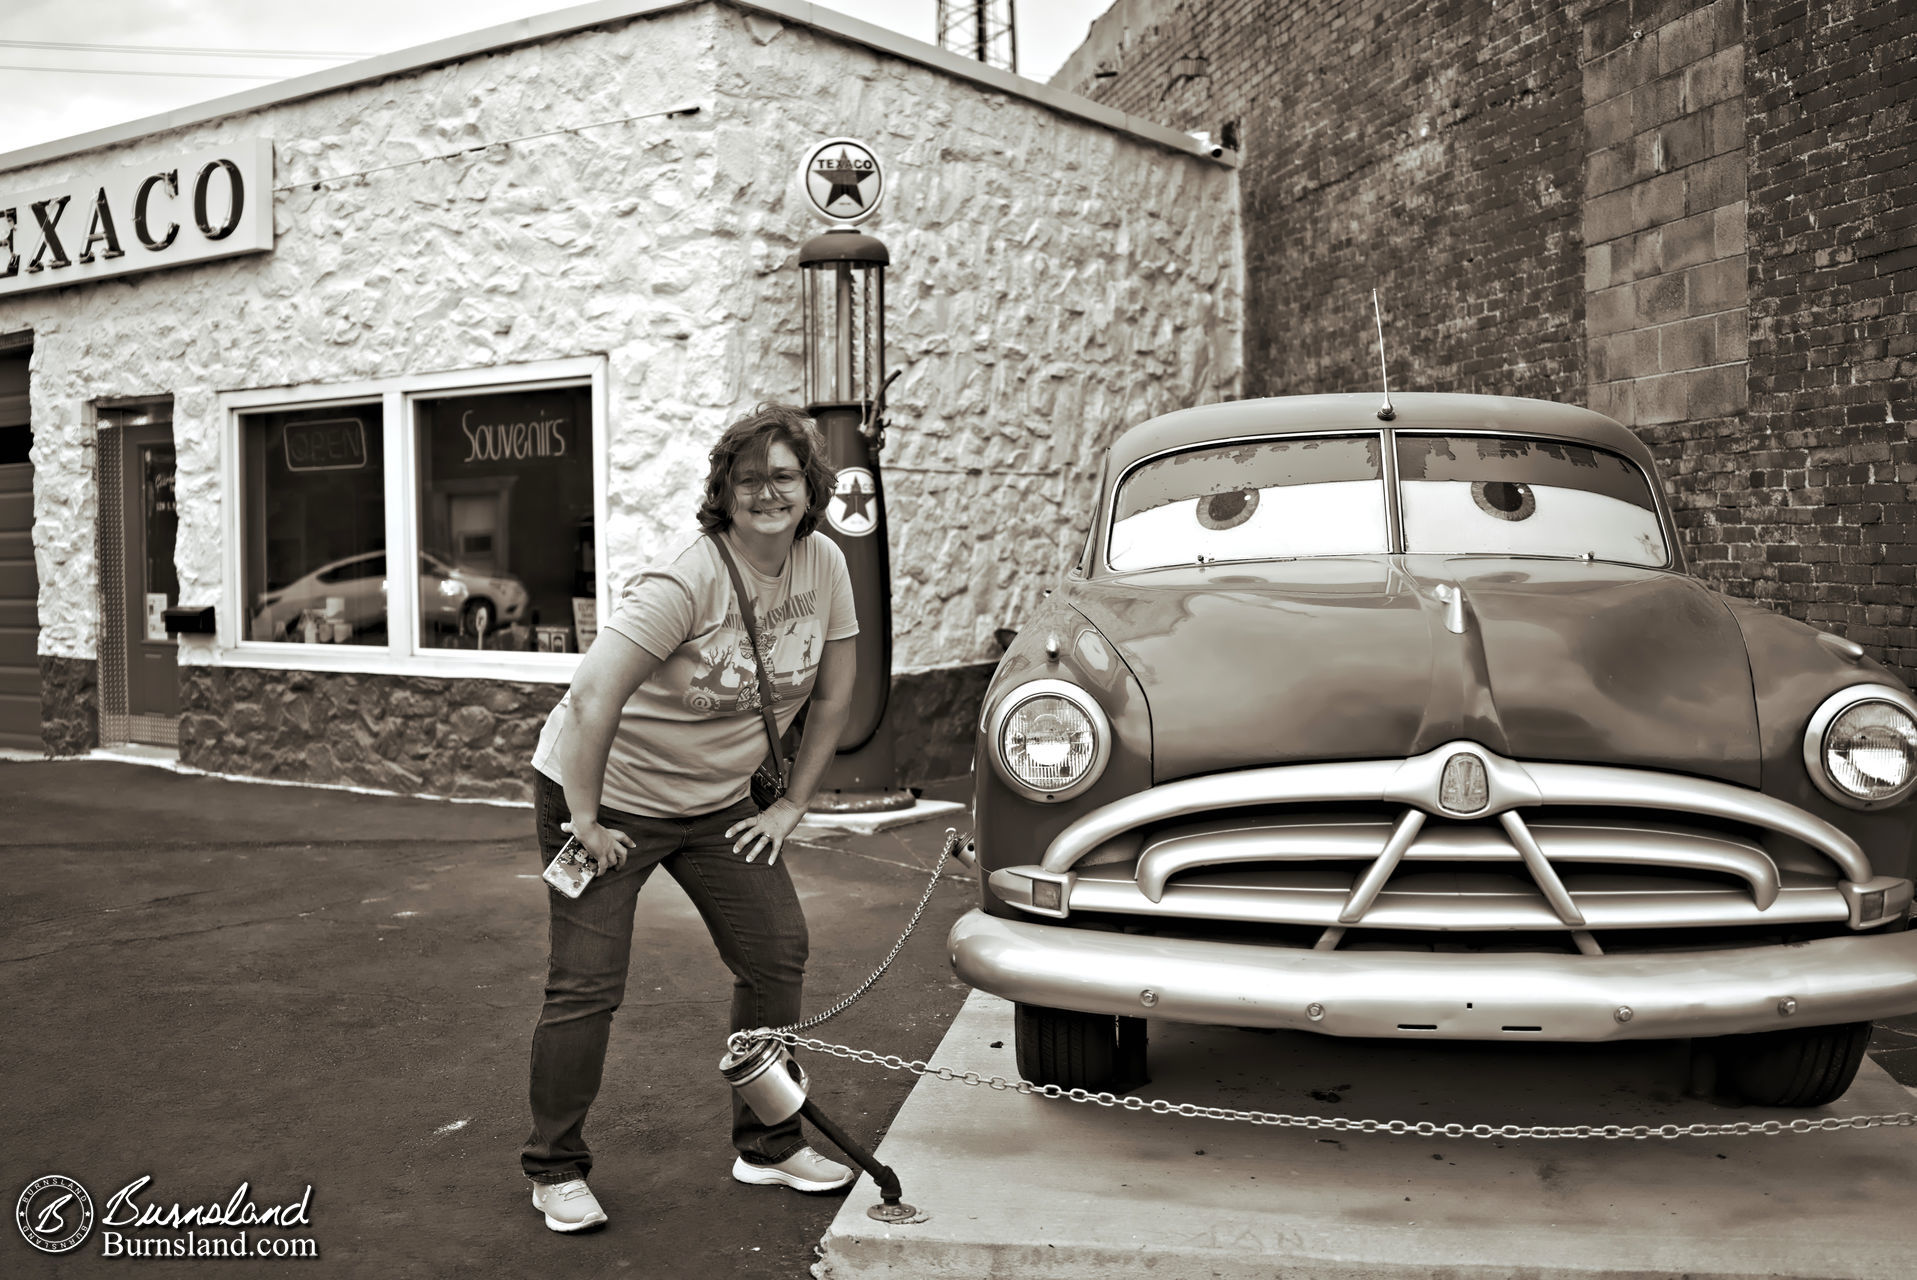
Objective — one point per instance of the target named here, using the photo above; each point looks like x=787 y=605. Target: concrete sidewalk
x=1025 y=1186
x=212 y=982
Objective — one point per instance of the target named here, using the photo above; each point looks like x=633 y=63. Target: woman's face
x=769 y=500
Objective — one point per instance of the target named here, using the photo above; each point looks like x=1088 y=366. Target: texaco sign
x=842 y=180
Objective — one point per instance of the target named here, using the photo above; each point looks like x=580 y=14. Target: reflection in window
x=505 y=521
x=314 y=508
x=160 y=518
x=1505 y=495
x=1266 y=499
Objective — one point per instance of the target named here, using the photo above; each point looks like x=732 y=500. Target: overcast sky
x=41 y=105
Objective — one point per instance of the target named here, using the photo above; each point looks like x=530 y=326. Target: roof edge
x=599 y=13
x=1177 y=428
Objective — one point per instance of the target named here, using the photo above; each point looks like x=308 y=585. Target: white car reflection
x=449 y=596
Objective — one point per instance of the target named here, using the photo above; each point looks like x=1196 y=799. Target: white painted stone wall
x=1053 y=281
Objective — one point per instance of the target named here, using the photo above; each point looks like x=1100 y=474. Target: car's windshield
x=1255 y=500
x=1505 y=495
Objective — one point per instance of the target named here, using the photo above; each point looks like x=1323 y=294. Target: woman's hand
x=765 y=832
x=606 y=846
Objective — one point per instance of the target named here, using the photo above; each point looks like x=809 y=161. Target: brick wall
x=1698 y=216
x=1667 y=318
x=1432 y=151
x=1819 y=515
x=1664 y=215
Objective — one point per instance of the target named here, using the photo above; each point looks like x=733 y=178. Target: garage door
x=19 y=586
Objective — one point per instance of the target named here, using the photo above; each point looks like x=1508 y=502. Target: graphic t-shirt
x=691 y=735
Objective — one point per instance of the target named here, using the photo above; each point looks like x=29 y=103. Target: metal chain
x=741 y=1041
x=1347 y=1124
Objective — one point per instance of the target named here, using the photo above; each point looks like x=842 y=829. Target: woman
x=647 y=761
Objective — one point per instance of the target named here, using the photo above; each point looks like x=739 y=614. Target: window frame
x=1653 y=486
x=1098 y=543
x=397 y=396
x=1387 y=476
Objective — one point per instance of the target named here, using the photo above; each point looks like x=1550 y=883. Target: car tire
x=475 y=611
x=1064 y=1047
x=1802 y=1068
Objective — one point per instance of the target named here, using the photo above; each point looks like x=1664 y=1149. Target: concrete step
x=1025 y=1186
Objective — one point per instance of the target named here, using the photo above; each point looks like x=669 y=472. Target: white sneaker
x=803 y=1170
x=568 y=1206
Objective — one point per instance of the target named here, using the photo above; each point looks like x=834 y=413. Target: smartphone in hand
x=571 y=869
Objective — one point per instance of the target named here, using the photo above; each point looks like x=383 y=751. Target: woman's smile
x=765 y=494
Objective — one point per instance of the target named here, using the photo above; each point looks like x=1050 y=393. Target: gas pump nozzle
x=873 y=428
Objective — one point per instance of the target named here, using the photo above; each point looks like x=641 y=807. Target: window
x=1505 y=495
x=506 y=520
x=1254 y=500
x=489 y=485
x=315 y=514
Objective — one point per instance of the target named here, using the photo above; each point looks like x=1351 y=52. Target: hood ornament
x=1453 y=598
x=1464 y=788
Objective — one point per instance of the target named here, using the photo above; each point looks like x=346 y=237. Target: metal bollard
x=768 y=1079
x=773 y=1084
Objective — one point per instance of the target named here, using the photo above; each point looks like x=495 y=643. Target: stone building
x=482 y=306
x=1698 y=216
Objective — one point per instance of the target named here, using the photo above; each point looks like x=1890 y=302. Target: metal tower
x=983 y=29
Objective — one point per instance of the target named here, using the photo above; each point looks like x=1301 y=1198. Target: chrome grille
x=1367 y=846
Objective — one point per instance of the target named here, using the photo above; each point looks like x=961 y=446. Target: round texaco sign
x=842 y=180
x=854 y=508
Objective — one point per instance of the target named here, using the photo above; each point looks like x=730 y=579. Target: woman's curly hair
x=747 y=442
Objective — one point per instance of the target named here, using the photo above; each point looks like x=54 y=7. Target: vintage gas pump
x=844 y=308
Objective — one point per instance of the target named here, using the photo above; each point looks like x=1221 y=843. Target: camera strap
x=752 y=634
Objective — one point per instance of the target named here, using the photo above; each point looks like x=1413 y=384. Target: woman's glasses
x=783 y=480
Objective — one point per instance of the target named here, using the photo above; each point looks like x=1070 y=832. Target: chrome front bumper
x=1439 y=995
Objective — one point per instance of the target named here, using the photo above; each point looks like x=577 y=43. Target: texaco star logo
x=854 y=509
x=842 y=180
x=54 y=1213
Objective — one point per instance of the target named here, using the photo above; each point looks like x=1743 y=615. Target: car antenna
x=1385 y=412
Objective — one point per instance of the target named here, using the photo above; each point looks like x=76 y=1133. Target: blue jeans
x=754 y=917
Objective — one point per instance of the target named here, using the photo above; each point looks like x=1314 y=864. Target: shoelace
x=574 y=1191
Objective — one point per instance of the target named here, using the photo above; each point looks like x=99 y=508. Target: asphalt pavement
x=211 y=982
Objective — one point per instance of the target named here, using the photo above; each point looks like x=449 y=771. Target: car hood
x=1357 y=658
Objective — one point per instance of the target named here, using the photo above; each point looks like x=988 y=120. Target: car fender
x=1010 y=828
x=1794 y=667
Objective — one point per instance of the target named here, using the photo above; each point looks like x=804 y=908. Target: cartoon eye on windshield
x=1227 y=510
x=1504 y=499
x=1252 y=499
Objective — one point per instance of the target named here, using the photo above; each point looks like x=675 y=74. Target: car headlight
x=1861 y=746
x=1050 y=739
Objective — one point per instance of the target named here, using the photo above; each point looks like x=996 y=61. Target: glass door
x=153 y=584
x=138 y=519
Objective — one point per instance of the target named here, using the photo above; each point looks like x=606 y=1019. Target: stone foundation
x=468 y=738
x=395 y=733
x=69 y=705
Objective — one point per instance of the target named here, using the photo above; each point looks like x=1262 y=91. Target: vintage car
x=1409 y=722
x=450 y=596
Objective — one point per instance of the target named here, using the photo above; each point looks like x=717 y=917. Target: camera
x=571 y=869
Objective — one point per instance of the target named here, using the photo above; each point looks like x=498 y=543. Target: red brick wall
x=1699 y=216
x=1818 y=513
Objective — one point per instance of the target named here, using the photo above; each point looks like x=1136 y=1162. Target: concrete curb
x=1024 y=1186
